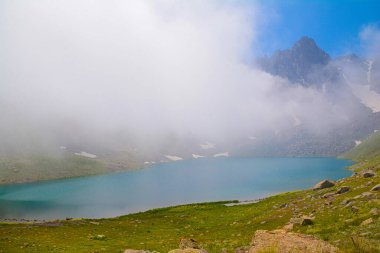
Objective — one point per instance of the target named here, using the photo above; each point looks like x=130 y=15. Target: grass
x=213 y=225
x=38 y=167
x=368 y=149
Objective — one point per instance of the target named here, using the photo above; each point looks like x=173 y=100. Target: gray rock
x=367 y=195
x=307 y=221
x=328 y=195
x=343 y=189
x=346 y=201
x=376 y=188
x=368 y=174
x=323 y=184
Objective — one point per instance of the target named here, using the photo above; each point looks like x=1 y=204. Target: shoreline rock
x=323 y=184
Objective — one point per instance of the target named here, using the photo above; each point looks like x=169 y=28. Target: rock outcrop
x=243 y=249
x=343 y=189
x=323 y=184
x=188 y=243
x=368 y=174
x=376 y=188
x=287 y=242
x=188 y=246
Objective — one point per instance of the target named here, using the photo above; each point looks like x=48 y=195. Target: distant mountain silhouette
x=304 y=63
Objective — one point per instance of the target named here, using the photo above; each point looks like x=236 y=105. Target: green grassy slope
x=37 y=167
x=29 y=167
x=213 y=225
x=368 y=149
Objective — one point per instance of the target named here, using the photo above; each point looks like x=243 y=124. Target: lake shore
x=169 y=184
x=215 y=225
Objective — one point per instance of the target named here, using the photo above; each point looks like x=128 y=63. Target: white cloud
x=370 y=38
x=142 y=66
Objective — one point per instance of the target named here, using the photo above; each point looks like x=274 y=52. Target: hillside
x=369 y=148
x=41 y=167
x=36 y=167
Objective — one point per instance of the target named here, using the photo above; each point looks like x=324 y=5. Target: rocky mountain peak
x=298 y=63
x=307 y=49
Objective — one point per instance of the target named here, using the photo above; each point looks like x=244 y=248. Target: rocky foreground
x=284 y=240
x=263 y=241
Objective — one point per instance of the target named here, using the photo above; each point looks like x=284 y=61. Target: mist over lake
x=166 y=184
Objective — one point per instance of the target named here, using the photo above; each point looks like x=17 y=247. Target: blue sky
x=334 y=25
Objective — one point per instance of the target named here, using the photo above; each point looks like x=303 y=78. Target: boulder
x=376 y=188
x=188 y=244
x=306 y=221
x=243 y=249
x=368 y=174
x=323 y=184
x=343 y=189
x=368 y=195
x=346 y=201
x=328 y=195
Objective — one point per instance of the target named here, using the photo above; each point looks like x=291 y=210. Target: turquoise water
x=165 y=185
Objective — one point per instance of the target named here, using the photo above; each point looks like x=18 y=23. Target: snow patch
x=225 y=154
x=173 y=157
x=368 y=97
x=357 y=143
x=197 y=156
x=85 y=154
